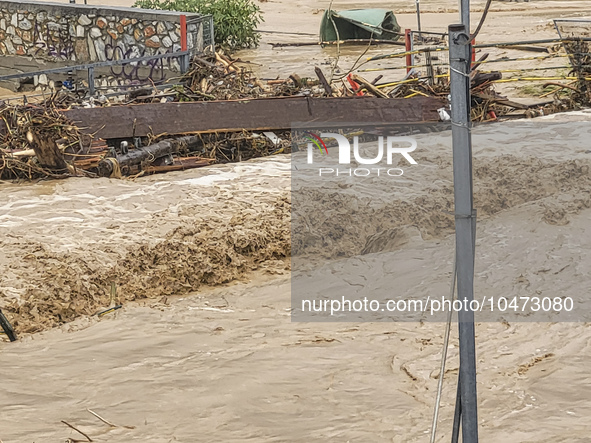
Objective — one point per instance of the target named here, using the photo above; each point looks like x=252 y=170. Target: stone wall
x=56 y=32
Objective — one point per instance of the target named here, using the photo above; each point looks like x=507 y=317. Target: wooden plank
x=371 y=88
x=181 y=164
x=500 y=100
x=257 y=114
x=528 y=48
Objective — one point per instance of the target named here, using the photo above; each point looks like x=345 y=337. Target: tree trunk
x=47 y=151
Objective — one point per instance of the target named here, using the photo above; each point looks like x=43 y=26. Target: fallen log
x=122 y=165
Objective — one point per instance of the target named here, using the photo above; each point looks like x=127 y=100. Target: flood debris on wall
x=220 y=110
x=65 y=136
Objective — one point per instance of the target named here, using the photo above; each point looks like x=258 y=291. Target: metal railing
x=435 y=63
x=184 y=58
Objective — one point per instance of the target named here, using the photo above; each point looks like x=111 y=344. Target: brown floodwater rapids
x=203 y=349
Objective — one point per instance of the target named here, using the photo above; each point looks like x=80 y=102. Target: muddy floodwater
x=204 y=350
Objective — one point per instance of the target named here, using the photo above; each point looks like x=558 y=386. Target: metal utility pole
x=418 y=2
x=465 y=13
x=460 y=60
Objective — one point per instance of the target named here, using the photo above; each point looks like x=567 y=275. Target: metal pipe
x=465 y=14
x=418 y=2
x=455 y=432
x=533 y=42
x=460 y=56
x=444 y=355
x=489 y=45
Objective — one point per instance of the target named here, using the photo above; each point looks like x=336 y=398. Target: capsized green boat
x=359 y=24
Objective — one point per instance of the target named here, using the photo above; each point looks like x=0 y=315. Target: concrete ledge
x=140 y=14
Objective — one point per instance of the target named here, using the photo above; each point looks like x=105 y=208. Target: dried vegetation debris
x=23 y=128
x=71 y=152
x=38 y=141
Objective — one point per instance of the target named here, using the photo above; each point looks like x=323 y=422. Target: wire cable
x=482 y=20
x=444 y=353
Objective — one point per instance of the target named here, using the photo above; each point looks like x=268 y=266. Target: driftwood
x=500 y=100
x=77 y=430
x=481 y=77
x=341 y=42
x=323 y=80
x=367 y=85
x=138 y=158
x=280 y=81
x=377 y=79
x=560 y=86
x=47 y=151
x=529 y=48
x=481 y=60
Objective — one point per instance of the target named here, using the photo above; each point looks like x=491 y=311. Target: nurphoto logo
x=387 y=147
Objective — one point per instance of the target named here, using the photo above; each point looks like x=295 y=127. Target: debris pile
x=217 y=77
x=580 y=56
x=38 y=141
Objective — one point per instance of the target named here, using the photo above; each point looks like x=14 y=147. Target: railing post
x=429 y=63
x=183 y=32
x=212 y=33
x=185 y=62
x=408 y=44
x=418 y=2
x=91 y=89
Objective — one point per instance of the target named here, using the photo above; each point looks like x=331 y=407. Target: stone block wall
x=57 y=32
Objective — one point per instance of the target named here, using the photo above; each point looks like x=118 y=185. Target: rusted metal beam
x=256 y=114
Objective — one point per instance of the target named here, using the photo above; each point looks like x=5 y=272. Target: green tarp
x=359 y=24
